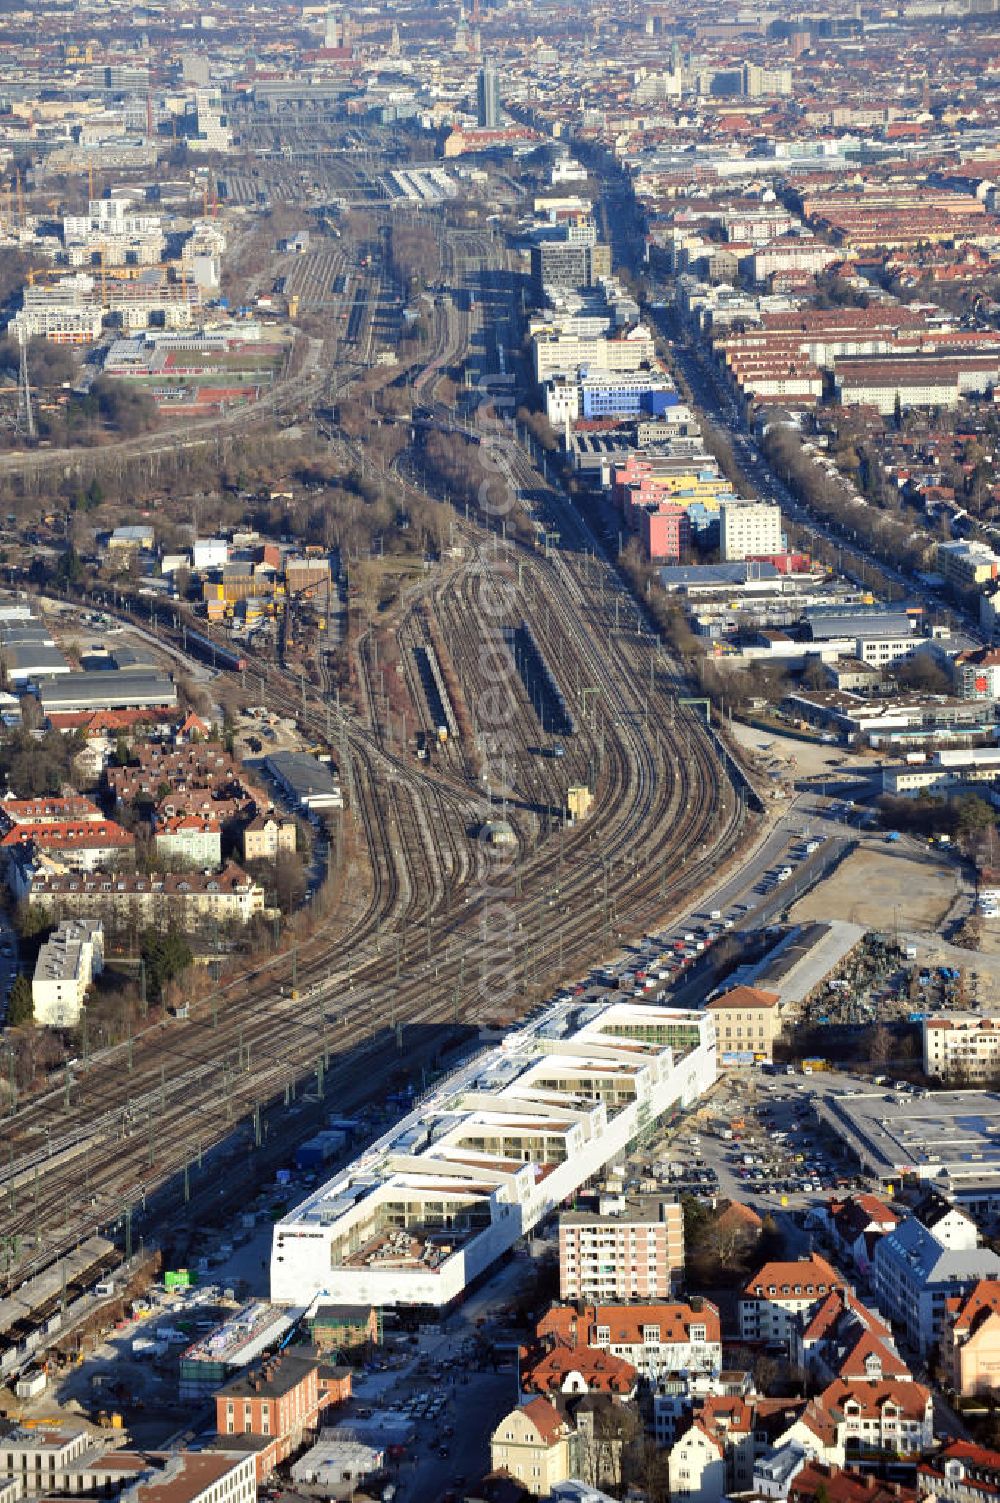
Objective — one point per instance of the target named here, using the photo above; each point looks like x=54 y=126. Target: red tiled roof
x=744 y=996
x=546 y=1419
x=601 y=1371
x=625 y=1323
x=812 y=1276
x=872 y=1395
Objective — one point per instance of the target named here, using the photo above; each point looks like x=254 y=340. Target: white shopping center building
x=490 y=1153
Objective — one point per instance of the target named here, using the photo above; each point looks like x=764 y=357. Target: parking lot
x=753 y=1140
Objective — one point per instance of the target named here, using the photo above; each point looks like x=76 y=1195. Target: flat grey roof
x=896 y=624
x=673 y=576
x=17 y=632
x=947 y=1135
x=33 y=658
x=107 y=689
x=302 y=774
x=801 y=963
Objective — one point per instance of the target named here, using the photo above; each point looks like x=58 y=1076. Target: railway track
x=426 y=941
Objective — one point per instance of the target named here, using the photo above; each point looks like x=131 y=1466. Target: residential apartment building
x=67 y=963
x=184 y=898
x=579 y=1370
x=917 y=1270
x=266 y=836
x=966 y=565
x=81 y=846
x=782 y=1294
x=190 y=840
x=970 y=1340
x=962 y=1047
x=749 y=529
x=532 y=1444
x=844 y=1340
x=961 y=1472
x=655 y=1338
x=977 y=674
x=939 y=381
x=790 y=253
x=747 y=1022
x=632 y=1252
x=856 y=1224
x=716 y=1457
x=882 y=1417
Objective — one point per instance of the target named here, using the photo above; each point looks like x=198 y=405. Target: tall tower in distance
x=25 y=412
x=488 y=97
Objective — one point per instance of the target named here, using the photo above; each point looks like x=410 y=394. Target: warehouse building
x=29 y=661
x=110 y=690
x=947 y=769
x=310 y=783
x=949 y=1140
x=490 y=1153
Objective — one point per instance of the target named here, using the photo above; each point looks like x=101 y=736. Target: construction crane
x=19 y=190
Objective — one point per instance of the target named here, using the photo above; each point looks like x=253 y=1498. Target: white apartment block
x=748 y=528
x=793 y=254
x=67 y=963
x=77 y=323
x=214 y=132
x=633 y=1252
x=492 y=1152
x=962 y=1046
x=781 y=1293
x=558 y=352
x=40 y=1458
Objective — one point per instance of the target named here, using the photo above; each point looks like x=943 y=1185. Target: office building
x=565 y=265
x=488 y=98
x=490 y=1153
x=747 y=1022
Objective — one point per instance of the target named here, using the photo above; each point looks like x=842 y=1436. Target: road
x=760 y=479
